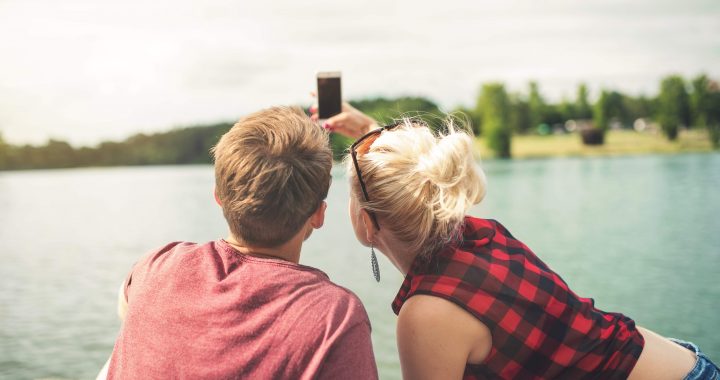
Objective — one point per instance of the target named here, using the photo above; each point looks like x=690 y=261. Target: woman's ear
x=217 y=199
x=368 y=225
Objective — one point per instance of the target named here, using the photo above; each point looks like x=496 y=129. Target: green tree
x=472 y=117
x=674 y=106
x=610 y=108
x=537 y=105
x=388 y=110
x=519 y=114
x=339 y=145
x=566 y=110
x=636 y=107
x=618 y=111
x=3 y=153
x=700 y=100
x=601 y=114
x=57 y=154
x=554 y=114
x=583 y=109
x=495 y=107
x=713 y=113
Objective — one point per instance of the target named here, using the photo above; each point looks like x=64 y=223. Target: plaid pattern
x=540 y=328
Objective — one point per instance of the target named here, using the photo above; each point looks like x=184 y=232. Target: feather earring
x=374 y=263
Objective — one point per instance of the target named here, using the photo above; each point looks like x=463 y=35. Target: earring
x=374 y=263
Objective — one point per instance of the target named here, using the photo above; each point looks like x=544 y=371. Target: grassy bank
x=617 y=142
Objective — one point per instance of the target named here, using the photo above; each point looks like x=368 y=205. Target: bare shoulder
x=422 y=308
x=436 y=335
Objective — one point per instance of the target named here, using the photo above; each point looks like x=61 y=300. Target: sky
x=85 y=71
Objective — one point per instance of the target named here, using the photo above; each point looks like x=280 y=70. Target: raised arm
x=437 y=338
x=350 y=122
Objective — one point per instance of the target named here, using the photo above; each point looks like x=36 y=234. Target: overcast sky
x=91 y=70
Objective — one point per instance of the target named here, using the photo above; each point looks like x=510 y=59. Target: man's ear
x=368 y=225
x=317 y=219
x=217 y=199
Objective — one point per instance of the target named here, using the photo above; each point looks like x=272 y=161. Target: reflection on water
x=638 y=234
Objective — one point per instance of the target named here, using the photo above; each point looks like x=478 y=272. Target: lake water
x=641 y=235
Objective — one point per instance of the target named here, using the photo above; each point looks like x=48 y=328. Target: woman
x=476 y=302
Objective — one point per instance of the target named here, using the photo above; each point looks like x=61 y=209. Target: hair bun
x=421 y=183
x=449 y=167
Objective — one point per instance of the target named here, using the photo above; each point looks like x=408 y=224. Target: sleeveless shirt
x=540 y=328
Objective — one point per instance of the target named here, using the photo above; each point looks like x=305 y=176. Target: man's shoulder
x=181 y=247
x=332 y=293
x=171 y=255
x=326 y=302
x=175 y=248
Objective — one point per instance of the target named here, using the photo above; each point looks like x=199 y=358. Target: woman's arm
x=437 y=338
x=350 y=122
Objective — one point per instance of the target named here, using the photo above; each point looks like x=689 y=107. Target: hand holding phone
x=329 y=94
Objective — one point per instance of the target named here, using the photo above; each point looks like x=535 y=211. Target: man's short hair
x=272 y=171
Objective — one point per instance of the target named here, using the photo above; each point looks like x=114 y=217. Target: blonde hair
x=420 y=183
x=272 y=171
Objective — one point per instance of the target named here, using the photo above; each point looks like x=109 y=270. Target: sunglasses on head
x=362 y=145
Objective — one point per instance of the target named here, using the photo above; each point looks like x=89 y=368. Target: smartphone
x=329 y=94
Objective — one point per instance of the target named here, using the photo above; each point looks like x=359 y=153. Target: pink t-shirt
x=205 y=311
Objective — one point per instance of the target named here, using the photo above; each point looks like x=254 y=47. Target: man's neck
x=290 y=251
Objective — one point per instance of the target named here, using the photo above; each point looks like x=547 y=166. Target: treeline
x=497 y=116
x=679 y=104
x=190 y=145
x=181 y=146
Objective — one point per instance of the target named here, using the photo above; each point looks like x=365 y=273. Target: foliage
x=496 y=116
x=520 y=116
x=566 y=110
x=494 y=105
x=674 y=106
x=582 y=109
x=609 y=108
x=385 y=111
x=536 y=103
x=714 y=133
x=471 y=116
x=3 y=152
x=601 y=113
x=554 y=115
x=339 y=145
x=713 y=114
x=700 y=100
x=181 y=146
x=634 y=108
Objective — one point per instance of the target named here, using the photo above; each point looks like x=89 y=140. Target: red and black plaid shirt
x=540 y=328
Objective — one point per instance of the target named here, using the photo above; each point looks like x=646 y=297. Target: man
x=242 y=307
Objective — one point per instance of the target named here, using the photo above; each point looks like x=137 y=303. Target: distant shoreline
x=617 y=143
